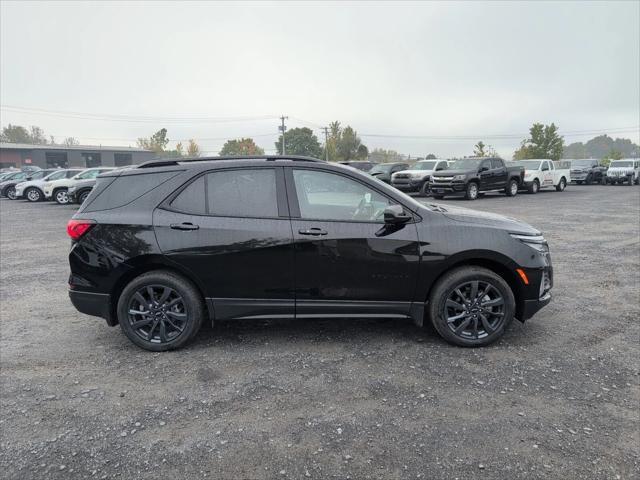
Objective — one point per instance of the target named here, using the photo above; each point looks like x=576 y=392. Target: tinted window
x=329 y=196
x=125 y=189
x=191 y=199
x=496 y=163
x=242 y=193
x=57 y=175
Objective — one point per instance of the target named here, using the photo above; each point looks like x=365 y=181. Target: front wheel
x=472 y=191
x=512 y=188
x=562 y=185
x=471 y=306
x=83 y=196
x=11 y=193
x=535 y=186
x=61 y=197
x=587 y=181
x=438 y=197
x=160 y=311
x=424 y=190
x=33 y=194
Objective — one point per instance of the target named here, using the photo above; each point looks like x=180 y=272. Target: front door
x=347 y=262
x=231 y=231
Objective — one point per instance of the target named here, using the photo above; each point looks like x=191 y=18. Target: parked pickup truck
x=474 y=176
x=416 y=178
x=587 y=170
x=542 y=173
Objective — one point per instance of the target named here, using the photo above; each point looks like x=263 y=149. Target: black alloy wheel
x=83 y=196
x=587 y=181
x=160 y=310
x=33 y=194
x=471 y=306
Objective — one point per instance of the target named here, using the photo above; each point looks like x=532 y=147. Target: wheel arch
x=497 y=263
x=149 y=263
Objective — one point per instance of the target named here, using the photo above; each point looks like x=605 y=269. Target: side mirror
x=28 y=179
x=394 y=215
x=483 y=169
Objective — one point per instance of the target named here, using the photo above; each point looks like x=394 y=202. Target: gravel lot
x=558 y=397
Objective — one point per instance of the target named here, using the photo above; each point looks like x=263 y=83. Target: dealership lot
x=557 y=397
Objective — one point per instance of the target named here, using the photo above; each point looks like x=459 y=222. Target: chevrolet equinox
x=161 y=248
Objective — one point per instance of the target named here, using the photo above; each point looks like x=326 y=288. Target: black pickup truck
x=474 y=176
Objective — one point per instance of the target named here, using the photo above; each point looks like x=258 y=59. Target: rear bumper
x=532 y=306
x=95 y=304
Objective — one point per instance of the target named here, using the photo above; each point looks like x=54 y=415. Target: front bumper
x=447 y=188
x=408 y=184
x=95 y=304
x=578 y=176
x=531 y=307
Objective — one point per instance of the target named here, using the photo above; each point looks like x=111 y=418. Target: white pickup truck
x=541 y=173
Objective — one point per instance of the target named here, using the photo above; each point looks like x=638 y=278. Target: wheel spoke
x=485 y=291
x=462 y=326
x=485 y=323
x=461 y=295
x=456 y=317
x=141 y=323
x=173 y=325
x=150 y=293
x=474 y=290
x=153 y=327
x=177 y=315
x=173 y=302
x=138 y=312
x=451 y=304
x=138 y=296
x=165 y=294
x=163 y=332
x=493 y=303
x=475 y=327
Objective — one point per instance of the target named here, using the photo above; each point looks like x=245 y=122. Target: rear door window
x=231 y=193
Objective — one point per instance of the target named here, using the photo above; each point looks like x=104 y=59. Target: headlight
x=416 y=175
x=537 y=242
x=459 y=177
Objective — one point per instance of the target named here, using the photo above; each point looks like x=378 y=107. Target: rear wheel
x=472 y=191
x=11 y=193
x=471 y=306
x=535 y=186
x=512 y=188
x=33 y=194
x=61 y=196
x=160 y=311
x=561 y=185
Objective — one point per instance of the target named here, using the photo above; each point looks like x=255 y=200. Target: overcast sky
x=399 y=69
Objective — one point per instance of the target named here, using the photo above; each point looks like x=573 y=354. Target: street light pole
x=283 y=129
x=326 y=144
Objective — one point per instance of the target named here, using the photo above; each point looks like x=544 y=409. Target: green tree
x=242 y=146
x=362 y=153
x=18 y=134
x=156 y=143
x=544 y=142
x=300 y=141
x=70 y=141
x=601 y=146
x=431 y=156
x=193 y=149
x=348 y=144
x=380 y=155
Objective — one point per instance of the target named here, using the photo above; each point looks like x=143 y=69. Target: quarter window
x=329 y=196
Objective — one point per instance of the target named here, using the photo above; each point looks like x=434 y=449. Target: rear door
x=346 y=262
x=547 y=173
x=499 y=174
x=230 y=229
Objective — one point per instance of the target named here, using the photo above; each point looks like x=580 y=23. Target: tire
x=61 y=196
x=562 y=184
x=33 y=194
x=442 y=301
x=472 y=191
x=438 y=197
x=10 y=192
x=187 y=312
x=629 y=179
x=83 y=196
x=587 y=181
x=512 y=188
x=424 y=190
x=638 y=180
x=535 y=186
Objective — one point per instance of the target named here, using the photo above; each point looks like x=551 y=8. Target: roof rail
x=178 y=161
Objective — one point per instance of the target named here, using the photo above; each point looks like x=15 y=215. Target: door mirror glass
x=394 y=215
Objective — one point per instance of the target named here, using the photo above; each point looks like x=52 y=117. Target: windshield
x=37 y=175
x=465 y=164
x=582 y=163
x=529 y=164
x=87 y=174
x=382 y=168
x=621 y=164
x=424 y=166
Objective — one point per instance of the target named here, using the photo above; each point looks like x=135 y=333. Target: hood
x=426 y=172
x=468 y=215
x=451 y=173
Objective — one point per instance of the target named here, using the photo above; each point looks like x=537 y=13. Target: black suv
x=161 y=248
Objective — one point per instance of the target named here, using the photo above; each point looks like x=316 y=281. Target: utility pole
x=283 y=129
x=326 y=144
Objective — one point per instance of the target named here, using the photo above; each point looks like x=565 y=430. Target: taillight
x=77 y=228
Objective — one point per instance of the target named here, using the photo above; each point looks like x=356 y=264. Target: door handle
x=184 y=226
x=315 y=231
